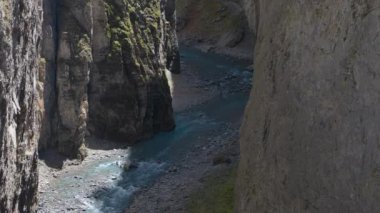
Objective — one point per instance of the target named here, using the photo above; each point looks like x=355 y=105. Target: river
x=156 y=155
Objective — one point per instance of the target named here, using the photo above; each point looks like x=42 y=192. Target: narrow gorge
x=189 y=106
x=78 y=69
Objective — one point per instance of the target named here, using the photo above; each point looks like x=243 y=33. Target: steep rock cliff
x=74 y=58
x=107 y=71
x=310 y=139
x=215 y=25
x=129 y=93
x=19 y=115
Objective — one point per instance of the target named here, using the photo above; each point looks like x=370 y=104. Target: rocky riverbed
x=209 y=98
x=172 y=191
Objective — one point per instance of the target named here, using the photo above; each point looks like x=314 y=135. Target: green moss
x=42 y=62
x=217 y=196
x=134 y=28
x=115 y=48
x=84 y=48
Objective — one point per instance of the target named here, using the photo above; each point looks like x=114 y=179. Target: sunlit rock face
x=310 y=139
x=19 y=103
x=108 y=69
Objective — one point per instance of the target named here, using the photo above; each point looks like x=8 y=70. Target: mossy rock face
x=110 y=63
x=84 y=48
x=129 y=94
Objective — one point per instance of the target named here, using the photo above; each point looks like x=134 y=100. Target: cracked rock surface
x=20 y=88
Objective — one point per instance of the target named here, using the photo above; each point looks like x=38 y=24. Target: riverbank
x=209 y=97
x=172 y=192
x=243 y=51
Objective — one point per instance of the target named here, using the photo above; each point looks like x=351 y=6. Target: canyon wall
x=20 y=85
x=74 y=57
x=215 y=25
x=107 y=62
x=310 y=139
x=129 y=93
x=102 y=63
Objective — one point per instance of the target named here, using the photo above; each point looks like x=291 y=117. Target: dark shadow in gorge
x=49 y=48
x=52 y=158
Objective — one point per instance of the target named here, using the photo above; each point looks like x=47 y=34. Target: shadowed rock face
x=48 y=53
x=19 y=85
x=74 y=59
x=310 y=139
x=106 y=61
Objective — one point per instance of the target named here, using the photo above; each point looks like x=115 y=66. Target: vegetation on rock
x=217 y=195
